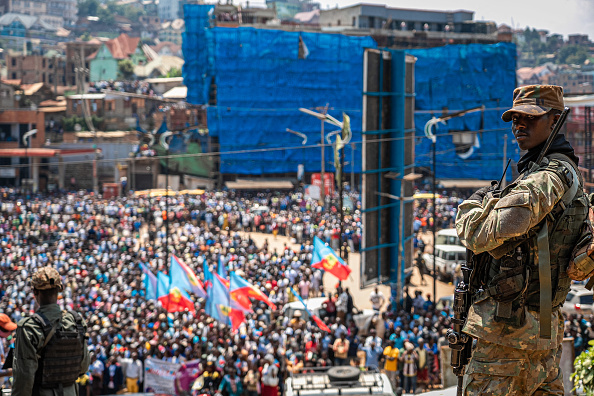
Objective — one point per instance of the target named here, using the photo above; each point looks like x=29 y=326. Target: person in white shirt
x=269 y=377
x=133 y=372
x=377 y=299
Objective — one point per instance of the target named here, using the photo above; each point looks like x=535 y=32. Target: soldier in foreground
x=51 y=350
x=522 y=238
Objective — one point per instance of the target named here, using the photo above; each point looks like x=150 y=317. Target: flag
x=223 y=280
x=185 y=277
x=241 y=291
x=162 y=285
x=222 y=270
x=318 y=321
x=207 y=275
x=217 y=304
x=150 y=282
x=171 y=296
x=325 y=258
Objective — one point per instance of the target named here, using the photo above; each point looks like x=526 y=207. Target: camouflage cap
x=46 y=278
x=535 y=100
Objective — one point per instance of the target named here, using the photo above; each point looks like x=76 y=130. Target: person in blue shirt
x=372 y=354
x=231 y=384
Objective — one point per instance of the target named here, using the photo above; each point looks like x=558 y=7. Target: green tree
x=126 y=69
x=88 y=8
x=573 y=54
x=174 y=72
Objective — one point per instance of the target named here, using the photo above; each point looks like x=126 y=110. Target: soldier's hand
x=480 y=193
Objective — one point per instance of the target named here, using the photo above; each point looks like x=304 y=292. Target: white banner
x=159 y=376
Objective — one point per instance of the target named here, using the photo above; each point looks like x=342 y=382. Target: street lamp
x=304 y=142
x=26 y=142
x=401 y=264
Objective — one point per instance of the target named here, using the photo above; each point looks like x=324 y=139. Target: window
x=14 y=76
x=354 y=21
x=13 y=61
x=587 y=299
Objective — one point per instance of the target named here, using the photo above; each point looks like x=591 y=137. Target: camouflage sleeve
x=28 y=337
x=483 y=226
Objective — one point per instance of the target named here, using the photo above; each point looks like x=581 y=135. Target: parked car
x=315 y=306
x=579 y=301
x=446 y=259
x=448 y=236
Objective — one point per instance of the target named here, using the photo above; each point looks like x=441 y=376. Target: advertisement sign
x=159 y=376
x=312 y=192
x=328 y=182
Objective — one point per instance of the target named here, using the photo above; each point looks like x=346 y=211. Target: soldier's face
x=530 y=130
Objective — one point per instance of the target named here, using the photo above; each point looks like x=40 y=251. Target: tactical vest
x=512 y=276
x=60 y=358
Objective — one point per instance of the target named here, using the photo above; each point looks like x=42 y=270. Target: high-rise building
x=57 y=13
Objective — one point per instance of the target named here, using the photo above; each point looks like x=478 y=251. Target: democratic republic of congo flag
x=220 y=307
x=183 y=276
x=150 y=282
x=325 y=258
x=171 y=296
x=318 y=321
x=223 y=280
x=241 y=291
x=222 y=269
x=207 y=275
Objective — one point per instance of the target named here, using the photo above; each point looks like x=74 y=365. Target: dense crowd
x=97 y=247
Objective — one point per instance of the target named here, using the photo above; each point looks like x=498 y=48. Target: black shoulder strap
x=48 y=329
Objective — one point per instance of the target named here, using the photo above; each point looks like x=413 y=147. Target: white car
x=579 y=301
x=448 y=236
x=338 y=380
x=447 y=257
x=314 y=305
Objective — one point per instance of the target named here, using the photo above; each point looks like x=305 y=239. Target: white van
x=448 y=236
x=338 y=380
x=446 y=259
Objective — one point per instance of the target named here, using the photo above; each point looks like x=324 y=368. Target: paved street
x=360 y=296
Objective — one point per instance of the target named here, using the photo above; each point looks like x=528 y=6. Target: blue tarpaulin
x=261 y=82
x=461 y=77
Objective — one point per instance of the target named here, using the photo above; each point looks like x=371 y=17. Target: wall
x=104 y=66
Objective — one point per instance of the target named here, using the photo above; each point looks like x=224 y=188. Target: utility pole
x=353 y=167
x=81 y=72
x=503 y=181
x=324 y=111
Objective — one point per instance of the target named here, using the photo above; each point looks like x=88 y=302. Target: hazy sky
x=560 y=16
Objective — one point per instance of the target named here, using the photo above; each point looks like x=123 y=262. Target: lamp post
x=323 y=117
x=304 y=142
x=402 y=198
x=26 y=142
x=165 y=144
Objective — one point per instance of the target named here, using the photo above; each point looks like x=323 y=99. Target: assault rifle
x=460 y=342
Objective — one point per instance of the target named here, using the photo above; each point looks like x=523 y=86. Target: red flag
x=320 y=323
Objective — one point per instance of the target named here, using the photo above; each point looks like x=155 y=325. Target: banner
x=159 y=376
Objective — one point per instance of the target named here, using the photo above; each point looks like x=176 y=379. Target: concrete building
x=368 y=16
x=103 y=64
x=168 y=9
x=172 y=31
x=31 y=69
x=57 y=13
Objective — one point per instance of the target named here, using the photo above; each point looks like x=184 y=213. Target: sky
x=560 y=16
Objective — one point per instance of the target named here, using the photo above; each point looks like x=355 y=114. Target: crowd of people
x=97 y=247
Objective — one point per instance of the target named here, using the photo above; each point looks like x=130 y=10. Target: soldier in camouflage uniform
x=523 y=238
x=31 y=340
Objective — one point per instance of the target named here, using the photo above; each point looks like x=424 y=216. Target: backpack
x=581 y=265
